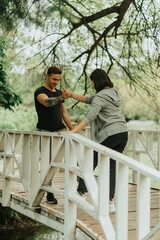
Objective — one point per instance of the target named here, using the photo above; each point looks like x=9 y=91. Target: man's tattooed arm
x=54 y=101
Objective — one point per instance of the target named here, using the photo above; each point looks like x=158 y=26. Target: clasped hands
x=67 y=93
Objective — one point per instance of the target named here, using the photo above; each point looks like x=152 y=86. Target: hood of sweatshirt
x=111 y=95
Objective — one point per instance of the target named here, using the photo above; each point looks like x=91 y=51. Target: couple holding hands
x=108 y=126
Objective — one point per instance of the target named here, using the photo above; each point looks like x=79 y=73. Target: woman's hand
x=66 y=93
x=64 y=132
x=80 y=126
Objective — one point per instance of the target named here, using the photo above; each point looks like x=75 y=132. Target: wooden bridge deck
x=18 y=194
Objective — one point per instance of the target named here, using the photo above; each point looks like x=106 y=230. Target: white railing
x=38 y=155
x=145 y=142
x=143 y=145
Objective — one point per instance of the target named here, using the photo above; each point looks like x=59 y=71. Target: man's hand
x=66 y=93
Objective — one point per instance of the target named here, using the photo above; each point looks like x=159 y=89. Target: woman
x=108 y=124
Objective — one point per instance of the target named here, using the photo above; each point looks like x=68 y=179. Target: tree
x=11 y=11
x=8 y=98
x=120 y=36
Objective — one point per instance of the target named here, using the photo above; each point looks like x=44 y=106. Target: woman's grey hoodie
x=105 y=114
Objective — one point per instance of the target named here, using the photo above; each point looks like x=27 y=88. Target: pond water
x=39 y=233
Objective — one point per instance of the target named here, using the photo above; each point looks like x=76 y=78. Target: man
x=51 y=110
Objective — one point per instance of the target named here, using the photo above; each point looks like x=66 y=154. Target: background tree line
x=120 y=36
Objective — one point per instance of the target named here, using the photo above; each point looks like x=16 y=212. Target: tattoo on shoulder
x=53 y=101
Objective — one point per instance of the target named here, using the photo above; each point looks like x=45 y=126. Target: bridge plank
x=58 y=210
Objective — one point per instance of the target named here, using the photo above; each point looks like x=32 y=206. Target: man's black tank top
x=49 y=118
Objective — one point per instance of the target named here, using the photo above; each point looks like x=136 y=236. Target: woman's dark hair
x=100 y=79
x=53 y=70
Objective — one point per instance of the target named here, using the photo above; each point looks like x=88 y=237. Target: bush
x=21 y=119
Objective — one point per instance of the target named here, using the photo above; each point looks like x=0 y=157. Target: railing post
x=18 y=153
x=1 y=142
x=70 y=189
x=34 y=171
x=103 y=184
x=136 y=155
x=7 y=170
x=121 y=202
x=26 y=161
x=103 y=196
x=158 y=150
x=143 y=206
x=149 y=141
x=45 y=154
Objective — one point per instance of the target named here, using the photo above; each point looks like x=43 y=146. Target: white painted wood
x=136 y=154
x=153 y=231
x=70 y=188
x=146 y=138
x=13 y=178
x=158 y=151
x=103 y=184
x=1 y=142
x=87 y=172
x=55 y=144
x=81 y=235
x=84 y=232
x=121 y=202
x=18 y=160
x=40 y=217
x=82 y=203
x=26 y=163
x=53 y=190
x=49 y=174
x=143 y=206
x=107 y=227
x=9 y=143
x=45 y=152
x=79 y=150
x=57 y=158
x=149 y=140
x=26 y=159
x=34 y=170
x=7 y=170
x=18 y=143
x=76 y=170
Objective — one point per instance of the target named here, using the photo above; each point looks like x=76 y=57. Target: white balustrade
x=39 y=155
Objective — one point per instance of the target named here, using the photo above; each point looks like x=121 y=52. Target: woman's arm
x=68 y=93
x=79 y=127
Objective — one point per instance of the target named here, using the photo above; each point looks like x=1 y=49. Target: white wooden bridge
x=31 y=160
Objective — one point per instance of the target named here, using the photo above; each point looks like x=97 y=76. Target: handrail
x=126 y=160
x=141 y=142
x=38 y=155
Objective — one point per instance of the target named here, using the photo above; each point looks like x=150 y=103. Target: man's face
x=53 y=80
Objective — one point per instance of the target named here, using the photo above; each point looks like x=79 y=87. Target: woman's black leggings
x=116 y=142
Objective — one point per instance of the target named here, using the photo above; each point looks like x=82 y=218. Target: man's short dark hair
x=53 y=70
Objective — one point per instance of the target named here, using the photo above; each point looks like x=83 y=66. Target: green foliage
x=11 y=11
x=7 y=216
x=8 y=98
x=21 y=119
